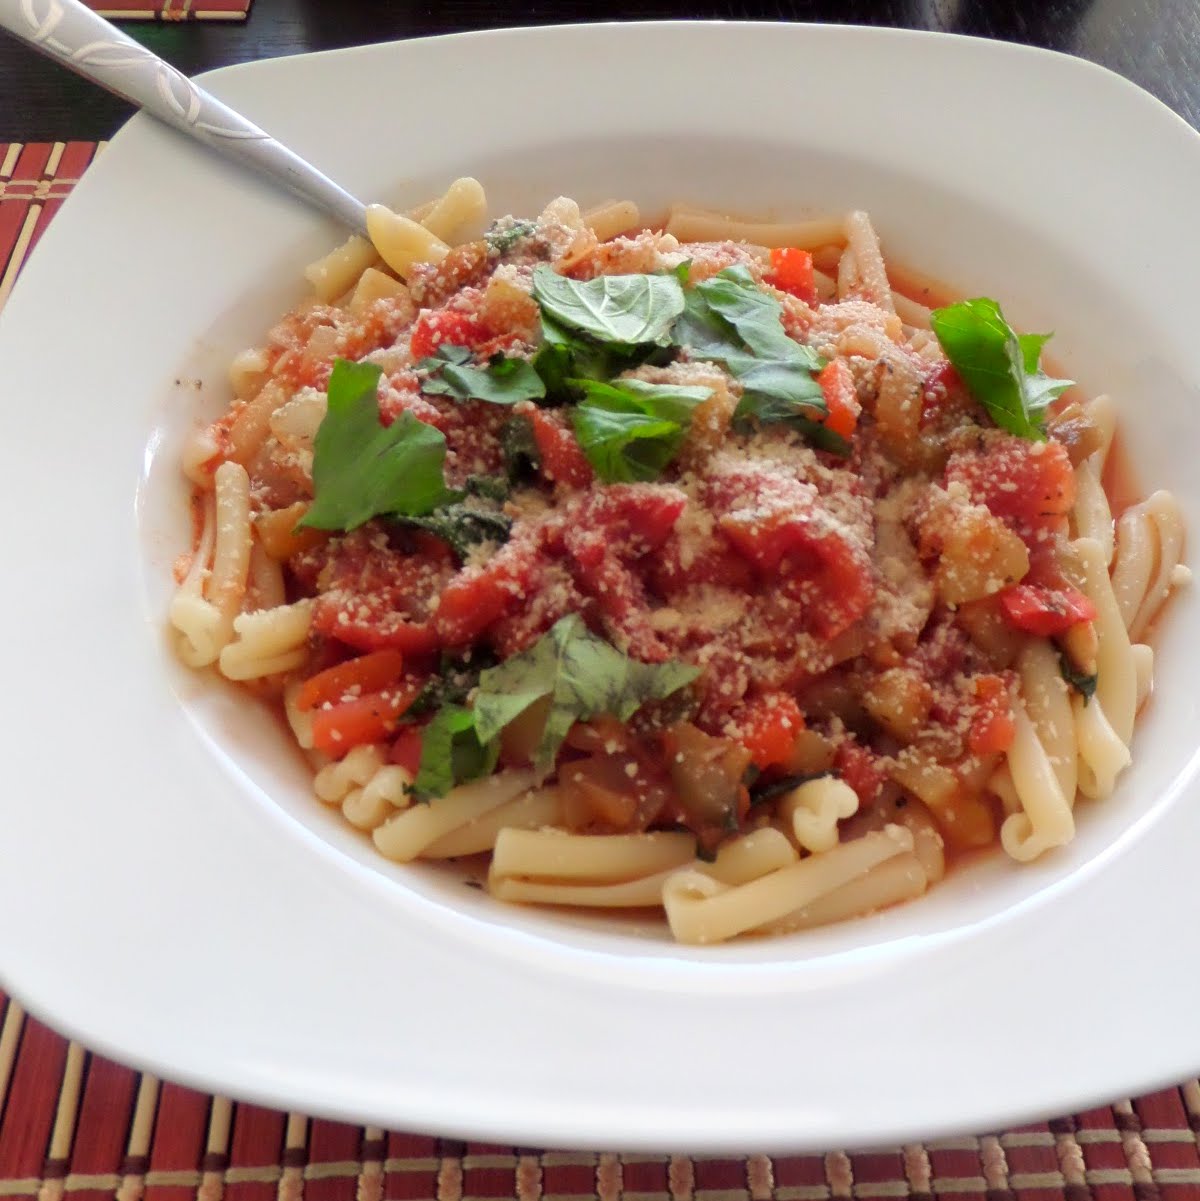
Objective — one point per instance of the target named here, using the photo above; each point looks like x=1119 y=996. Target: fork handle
x=87 y=44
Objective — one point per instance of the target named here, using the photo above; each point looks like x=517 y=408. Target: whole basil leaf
x=363 y=469
x=622 y=443
x=629 y=310
x=630 y=430
x=999 y=368
x=565 y=355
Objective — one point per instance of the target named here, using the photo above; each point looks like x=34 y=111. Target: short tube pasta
x=405 y=836
x=703 y=910
x=871 y=273
x=532 y=810
x=690 y=224
x=1092 y=514
x=611 y=218
x=267 y=642
x=761 y=630
x=1045 y=819
x=334 y=274
x=1149 y=543
x=401 y=242
x=752 y=855
x=1048 y=705
x=1102 y=754
x=1116 y=683
x=458 y=213
x=595 y=858
x=814 y=810
x=890 y=883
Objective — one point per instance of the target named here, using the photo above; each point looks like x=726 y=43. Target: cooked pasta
x=703 y=568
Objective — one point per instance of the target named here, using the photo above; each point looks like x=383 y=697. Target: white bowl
x=177 y=899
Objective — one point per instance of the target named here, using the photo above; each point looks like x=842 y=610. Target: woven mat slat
x=77 y=1127
x=171 y=10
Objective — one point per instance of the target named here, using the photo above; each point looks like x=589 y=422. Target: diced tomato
x=445 y=327
x=1045 y=611
x=478 y=596
x=792 y=271
x=861 y=769
x=563 y=461
x=821 y=570
x=553 y=594
x=779 y=543
x=777 y=523
x=604 y=536
x=367 y=673
x=767 y=728
x=376 y=595
x=1028 y=485
x=297 y=370
x=992 y=728
x=406 y=750
x=370 y=718
x=941 y=388
x=373 y=625
x=401 y=395
x=717 y=564
x=847 y=587
x=627 y=520
x=620 y=597
x=841 y=399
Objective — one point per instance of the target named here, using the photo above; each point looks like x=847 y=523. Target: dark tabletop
x=1156 y=43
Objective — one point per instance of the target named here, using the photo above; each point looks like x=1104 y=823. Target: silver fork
x=87 y=44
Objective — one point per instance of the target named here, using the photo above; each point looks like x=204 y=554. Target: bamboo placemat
x=171 y=10
x=77 y=1127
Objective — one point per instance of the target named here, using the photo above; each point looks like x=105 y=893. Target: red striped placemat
x=171 y=10
x=76 y=1127
x=35 y=178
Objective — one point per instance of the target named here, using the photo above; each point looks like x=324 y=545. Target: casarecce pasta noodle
x=696 y=567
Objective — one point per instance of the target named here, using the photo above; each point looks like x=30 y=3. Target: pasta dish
x=694 y=567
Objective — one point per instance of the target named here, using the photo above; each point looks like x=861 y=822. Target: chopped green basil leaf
x=519 y=448
x=506 y=233
x=630 y=430
x=998 y=366
x=1085 y=685
x=462 y=527
x=504 y=381
x=456 y=676
x=629 y=310
x=584 y=677
x=490 y=487
x=452 y=753
x=363 y=469
x=772 y=789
